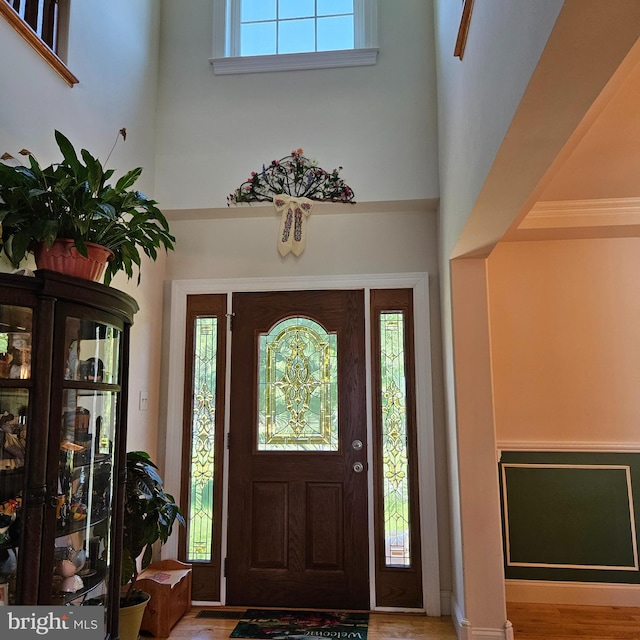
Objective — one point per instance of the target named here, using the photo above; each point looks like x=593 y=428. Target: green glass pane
x=200 y=526
x=394 y=440
x=298 y=388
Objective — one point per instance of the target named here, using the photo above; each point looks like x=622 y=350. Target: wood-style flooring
x=382 y=626
x=569 y=622
x=530 y=622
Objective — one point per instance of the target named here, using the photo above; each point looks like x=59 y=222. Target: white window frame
x=226 y=27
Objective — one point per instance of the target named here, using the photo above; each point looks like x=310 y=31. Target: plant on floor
x=73 y=199
x=149 y=515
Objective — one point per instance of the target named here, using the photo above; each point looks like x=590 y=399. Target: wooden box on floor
x=168 y=582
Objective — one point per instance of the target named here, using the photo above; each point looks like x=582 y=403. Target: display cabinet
x=64 y=345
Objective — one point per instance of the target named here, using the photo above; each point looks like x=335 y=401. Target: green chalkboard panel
x=570 y=516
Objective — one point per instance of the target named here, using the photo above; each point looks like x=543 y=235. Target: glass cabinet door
x=15 y=387
x=85 y=472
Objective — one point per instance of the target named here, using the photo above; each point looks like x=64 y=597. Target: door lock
x=358 y=467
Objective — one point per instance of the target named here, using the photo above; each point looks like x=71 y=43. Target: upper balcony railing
x=41 y=16
x=44 y=25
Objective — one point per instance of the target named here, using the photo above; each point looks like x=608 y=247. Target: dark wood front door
x=297 y=530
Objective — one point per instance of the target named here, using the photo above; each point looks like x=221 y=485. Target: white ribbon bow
x=293 y=228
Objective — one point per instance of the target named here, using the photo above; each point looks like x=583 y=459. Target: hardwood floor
x=568 y=622
x=382 y=626
x=530 y=622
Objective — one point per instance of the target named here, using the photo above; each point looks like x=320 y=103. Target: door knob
x=358 y=467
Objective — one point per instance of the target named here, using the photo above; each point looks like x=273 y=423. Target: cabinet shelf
x=6 y=473
x=16 y=383
x=79 y=525
x=91 y=386
x=98 y=460
x=90 y=583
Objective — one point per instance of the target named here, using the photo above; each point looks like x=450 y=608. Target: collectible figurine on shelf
x=69 y=562
x=12 y=441
x=8 y=515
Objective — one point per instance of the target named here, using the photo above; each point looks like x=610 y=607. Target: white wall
x=564 y=340
x=378 y=122
x=530 y=73
x=478 y=95
x=113 y=51
x=341 y=242
x=477 y=99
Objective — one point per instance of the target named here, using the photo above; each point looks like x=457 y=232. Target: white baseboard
x=466 y=631
x=587 y=593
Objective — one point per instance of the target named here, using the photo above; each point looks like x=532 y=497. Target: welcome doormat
x=301 y=625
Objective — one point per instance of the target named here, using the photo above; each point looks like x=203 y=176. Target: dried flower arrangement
x=293 y=183
x=296 y=176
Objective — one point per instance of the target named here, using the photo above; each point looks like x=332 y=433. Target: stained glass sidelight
x=394 y=439
x=298 y=388
x=202 y=443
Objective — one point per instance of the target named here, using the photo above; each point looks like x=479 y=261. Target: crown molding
x=605 y=212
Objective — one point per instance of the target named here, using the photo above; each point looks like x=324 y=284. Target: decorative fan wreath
x=295 y=176
x=293 y=183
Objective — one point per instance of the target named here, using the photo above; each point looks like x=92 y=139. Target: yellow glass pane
x=298 y=388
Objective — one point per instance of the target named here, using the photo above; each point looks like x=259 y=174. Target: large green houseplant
x=149 y=515
x=73 y=199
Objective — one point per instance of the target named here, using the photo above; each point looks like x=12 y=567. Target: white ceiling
x=593 y=188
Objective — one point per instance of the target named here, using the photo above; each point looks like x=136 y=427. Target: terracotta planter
x=63 y=257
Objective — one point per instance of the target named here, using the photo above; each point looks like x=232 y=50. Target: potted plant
x=149 y=515
x=73 y=202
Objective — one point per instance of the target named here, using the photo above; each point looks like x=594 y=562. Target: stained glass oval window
x=297 y=388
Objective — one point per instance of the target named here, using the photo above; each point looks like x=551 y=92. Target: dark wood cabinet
x=64 y=356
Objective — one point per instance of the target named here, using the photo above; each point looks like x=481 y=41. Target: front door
x=297 y=528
